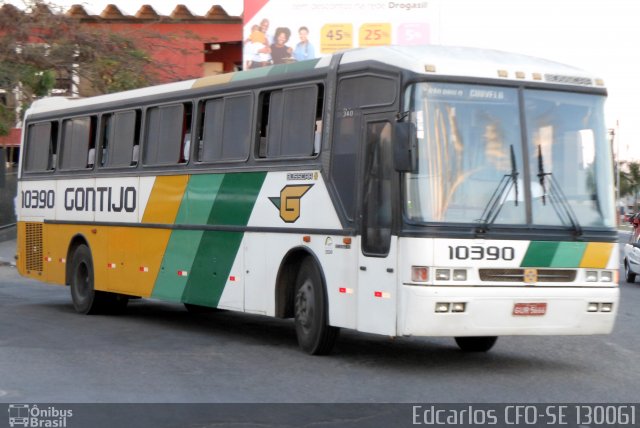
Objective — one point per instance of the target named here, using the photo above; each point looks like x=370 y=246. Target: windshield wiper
x=495 y=203
x=556 y=196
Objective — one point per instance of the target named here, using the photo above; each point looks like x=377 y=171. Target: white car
x=632 y=258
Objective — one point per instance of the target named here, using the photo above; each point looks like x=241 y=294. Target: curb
x=8 y=232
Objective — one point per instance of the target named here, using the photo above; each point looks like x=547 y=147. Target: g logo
x=530 y=276
x=289 y=201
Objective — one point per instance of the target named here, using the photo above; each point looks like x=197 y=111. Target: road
x=158 y=352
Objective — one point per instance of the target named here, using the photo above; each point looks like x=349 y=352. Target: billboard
x=285 y=31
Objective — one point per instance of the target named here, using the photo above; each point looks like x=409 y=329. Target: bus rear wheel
x=315 y=335
x=476 y=343
x=86 y=300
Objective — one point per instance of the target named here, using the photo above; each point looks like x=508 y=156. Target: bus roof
x=473 y=62
x=426 y=60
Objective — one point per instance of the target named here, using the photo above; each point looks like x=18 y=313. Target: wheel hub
x=304 y=305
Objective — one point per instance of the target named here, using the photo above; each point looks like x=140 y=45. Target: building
x=195 y=45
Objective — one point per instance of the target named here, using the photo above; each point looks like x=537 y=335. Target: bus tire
x=315 y=335
x=628 y=275
x=476 y=343
x=86 y=300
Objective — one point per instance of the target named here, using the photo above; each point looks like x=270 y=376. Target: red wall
x=183 y=43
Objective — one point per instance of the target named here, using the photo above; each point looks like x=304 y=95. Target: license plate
x=530 y=309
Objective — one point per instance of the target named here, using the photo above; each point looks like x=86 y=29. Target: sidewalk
x=8 y=253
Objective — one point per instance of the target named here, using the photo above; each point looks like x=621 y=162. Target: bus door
x=377 y=260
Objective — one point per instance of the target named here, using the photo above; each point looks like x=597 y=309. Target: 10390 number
x=477 y=252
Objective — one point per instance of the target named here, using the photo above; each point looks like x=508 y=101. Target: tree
x=630 y=181
x=41 y=45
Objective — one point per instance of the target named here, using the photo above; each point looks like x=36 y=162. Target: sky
x=600 y=36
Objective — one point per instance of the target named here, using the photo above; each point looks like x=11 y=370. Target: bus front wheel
x=86 y=300
x=476 y=343
x=314 y=334
x=628 y=274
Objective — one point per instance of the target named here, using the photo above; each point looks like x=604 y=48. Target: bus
x=402 y=191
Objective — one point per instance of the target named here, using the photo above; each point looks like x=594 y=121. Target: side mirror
x=405 y=147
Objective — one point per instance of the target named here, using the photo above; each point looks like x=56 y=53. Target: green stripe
x=569 y=255
x=199 y=198
x=217 y=250
x=275 y=70
x=539 y=254
x=179 y=255
x=183 y=245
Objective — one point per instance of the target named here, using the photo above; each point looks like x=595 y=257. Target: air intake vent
x=517 y=275
x=33 y=247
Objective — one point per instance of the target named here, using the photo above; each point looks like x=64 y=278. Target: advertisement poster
x=285 y=31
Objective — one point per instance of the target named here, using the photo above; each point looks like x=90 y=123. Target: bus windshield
x=471 y=154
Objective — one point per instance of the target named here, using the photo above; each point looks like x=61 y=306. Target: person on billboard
x=304 y=49
x=280 y=52
x=257 y=51
x=264 y=27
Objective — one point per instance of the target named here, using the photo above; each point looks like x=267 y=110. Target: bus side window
x=185 y=147
x=120 y=136
x=78 y=138
x=289 y=119
x=91 y=157
x=165 y=132
x=224 y=134
x=41 y=147
x=317 y=137
x=211 y=130
x=105 y=132
x=135 y=155
x=265 y=101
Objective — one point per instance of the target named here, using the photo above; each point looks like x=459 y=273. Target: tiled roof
x=112 y=13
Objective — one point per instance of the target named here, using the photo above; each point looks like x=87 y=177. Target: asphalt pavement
x=8 y=253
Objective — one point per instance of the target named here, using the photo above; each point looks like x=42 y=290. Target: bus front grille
x=517 y=275
x=33 y=247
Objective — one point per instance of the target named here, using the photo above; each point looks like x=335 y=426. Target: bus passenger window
x=167 y=127
x=41 y=150
x=78 y=138
x=317 y=137
x=186 y=133
x=224 y=134
x=119 y=139
x=135 y=156
x=91 y=157
x=105 y=133
x=289 y=121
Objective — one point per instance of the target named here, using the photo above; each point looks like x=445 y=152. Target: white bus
x=403 y=191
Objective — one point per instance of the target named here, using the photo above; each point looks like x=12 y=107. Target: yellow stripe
x=165 y=199
x=213 y=80
x=597 y=255
x=129 y=248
